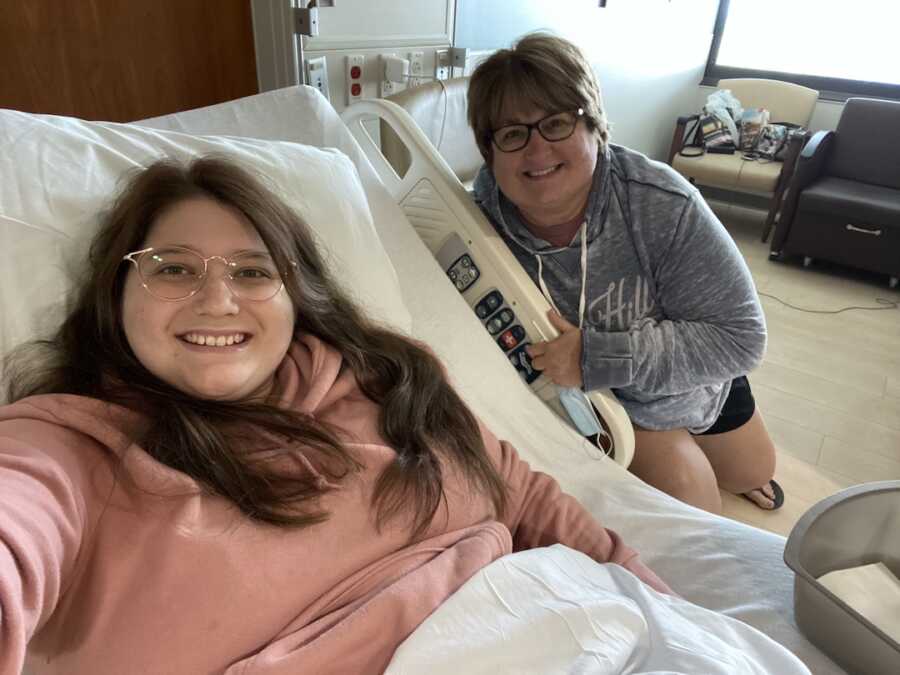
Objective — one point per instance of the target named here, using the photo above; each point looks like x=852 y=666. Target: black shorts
x=737 y=411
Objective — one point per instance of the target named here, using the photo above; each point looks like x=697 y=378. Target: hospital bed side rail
x=451 y=225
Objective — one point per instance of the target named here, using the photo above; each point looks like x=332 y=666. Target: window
x=840 y=48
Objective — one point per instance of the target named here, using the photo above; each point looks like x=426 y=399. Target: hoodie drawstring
x=573 y=399
x=581 y=297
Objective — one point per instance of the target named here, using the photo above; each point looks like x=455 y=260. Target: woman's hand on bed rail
x=560 y=358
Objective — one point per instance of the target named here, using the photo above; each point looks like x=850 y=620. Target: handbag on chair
x=708 y=134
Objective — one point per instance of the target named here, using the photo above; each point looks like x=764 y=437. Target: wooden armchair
x=785 y=102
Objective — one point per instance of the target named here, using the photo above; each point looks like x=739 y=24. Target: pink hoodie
x=142 y=572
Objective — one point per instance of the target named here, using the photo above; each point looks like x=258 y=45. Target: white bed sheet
x=555 y=610
x=712 y=561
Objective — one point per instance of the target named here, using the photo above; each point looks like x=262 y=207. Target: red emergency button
x=355 y=72
x=508 y=340
x=356 y=89
x=511 y=338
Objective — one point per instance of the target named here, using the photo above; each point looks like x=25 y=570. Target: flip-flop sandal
x=776 y=490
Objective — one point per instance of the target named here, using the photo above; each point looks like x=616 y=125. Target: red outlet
x=354 y=75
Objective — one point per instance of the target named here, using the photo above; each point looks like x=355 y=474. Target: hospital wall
x=649 y=55
x=353 y=32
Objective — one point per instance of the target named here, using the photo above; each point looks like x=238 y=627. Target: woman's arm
x=539 y=513
x=714 y=328
x=42 y=517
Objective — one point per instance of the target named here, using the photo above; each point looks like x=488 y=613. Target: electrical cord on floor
x=888 y=304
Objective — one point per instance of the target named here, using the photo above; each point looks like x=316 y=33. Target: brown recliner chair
x=843 y=203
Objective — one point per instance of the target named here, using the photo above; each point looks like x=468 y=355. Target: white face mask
x=574 y=400
x=582 y=414
x=580 y=411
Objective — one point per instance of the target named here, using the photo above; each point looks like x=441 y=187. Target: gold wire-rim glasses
x=135 y=257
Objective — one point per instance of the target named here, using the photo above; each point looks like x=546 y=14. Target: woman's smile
x=216 y=340
x=538 y=174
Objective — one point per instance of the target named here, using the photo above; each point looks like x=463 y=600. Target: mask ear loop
x=574 y=400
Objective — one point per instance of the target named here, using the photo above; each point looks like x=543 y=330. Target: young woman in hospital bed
x=219 y=464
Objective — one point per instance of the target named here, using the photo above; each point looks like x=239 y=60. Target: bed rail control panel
x=491 y=308
x=482 y=268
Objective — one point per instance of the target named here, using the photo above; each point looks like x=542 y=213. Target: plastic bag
x=723 y=105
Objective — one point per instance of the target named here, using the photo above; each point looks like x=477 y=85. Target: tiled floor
x=829 y=387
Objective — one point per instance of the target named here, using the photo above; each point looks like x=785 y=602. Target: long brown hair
x=421 y=415
x=543 y=70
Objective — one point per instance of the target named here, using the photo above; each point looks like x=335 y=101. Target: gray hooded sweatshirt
x=671 y=313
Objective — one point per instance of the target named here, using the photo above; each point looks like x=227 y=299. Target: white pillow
x=59 y=173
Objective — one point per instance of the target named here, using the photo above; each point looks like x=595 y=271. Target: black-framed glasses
x=176 y=273
x=555 y=127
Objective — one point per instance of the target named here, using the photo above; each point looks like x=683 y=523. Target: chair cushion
x=759 y=176
x=730 y=172
x=439 y=108
x=857 y=202
x=710 y=169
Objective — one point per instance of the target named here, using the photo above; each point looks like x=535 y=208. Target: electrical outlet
x=387 y=87
x=317 y=74
x=416 y=68
x=354 y=77
x=442 y=64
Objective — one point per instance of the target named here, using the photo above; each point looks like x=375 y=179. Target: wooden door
x=124 y=60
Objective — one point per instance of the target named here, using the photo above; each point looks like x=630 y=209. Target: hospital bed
x=714 y=562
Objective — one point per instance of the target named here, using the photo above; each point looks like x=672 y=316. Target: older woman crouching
x=651 y=296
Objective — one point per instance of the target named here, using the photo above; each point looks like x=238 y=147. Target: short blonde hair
x=541 y=70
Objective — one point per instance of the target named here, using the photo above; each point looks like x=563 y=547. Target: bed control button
x=511 y=338
x=463 y=272
x=522 y=362
x=500 y=320
x=488 y=304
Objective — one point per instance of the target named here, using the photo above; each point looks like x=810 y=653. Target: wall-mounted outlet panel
x=416 y=68
x=355 y=72
x=317 y=74
x=442 y=64
x=387 y=87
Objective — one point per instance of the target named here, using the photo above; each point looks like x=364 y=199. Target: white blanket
x=555 y=610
